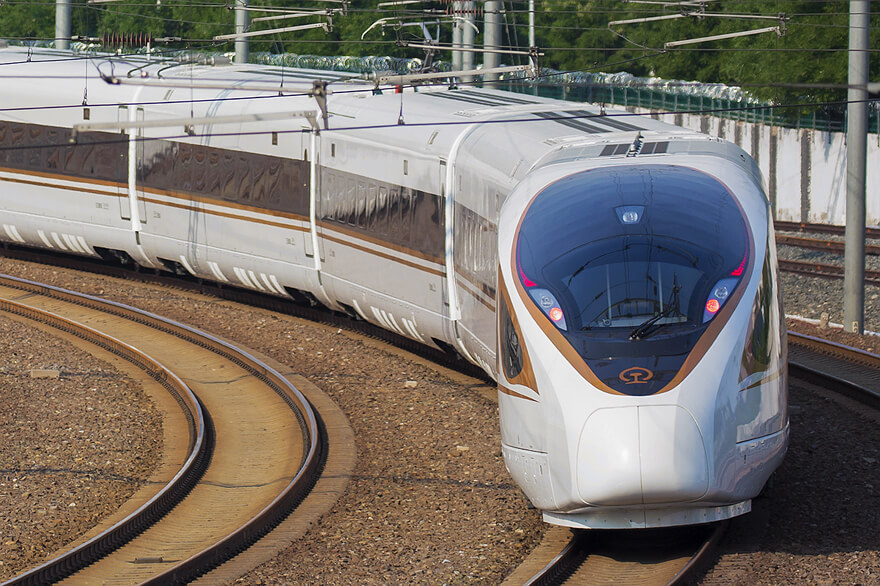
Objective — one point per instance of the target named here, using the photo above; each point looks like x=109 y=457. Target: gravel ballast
x=78 y=439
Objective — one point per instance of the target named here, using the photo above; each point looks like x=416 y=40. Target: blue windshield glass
x=633 y=254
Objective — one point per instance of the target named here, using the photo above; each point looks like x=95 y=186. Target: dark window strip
x=607 y=121
x=460 y=98
x=571 y=123
x=502 y=99
x=476 y=241
x=261 y=181
x=399 y=216
x=37 y=148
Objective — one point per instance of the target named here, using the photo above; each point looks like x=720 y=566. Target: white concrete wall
x=804 y=170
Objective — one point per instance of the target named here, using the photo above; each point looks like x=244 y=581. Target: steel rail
x=823 y=271
x=835 y=246
x=841 y=383
x=313 y=450
x=168 y=496
x=587 y=559
x=871 y=232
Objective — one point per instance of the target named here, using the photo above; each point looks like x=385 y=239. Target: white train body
x=411 y=211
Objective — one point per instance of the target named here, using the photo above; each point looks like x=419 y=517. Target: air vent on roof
x=649 y=148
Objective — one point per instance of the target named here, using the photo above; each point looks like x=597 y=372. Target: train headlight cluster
x=720 y=293
x=548 y=304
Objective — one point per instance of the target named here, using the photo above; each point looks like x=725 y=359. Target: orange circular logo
x=636 y=375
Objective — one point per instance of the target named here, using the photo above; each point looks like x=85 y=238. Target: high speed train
x=615 y=274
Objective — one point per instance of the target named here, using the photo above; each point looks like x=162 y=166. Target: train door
x=140 y=168
x=310 y=147
x=121 y=172
x=475 y=238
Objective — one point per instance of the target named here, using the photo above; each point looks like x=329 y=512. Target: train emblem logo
x=636 y=375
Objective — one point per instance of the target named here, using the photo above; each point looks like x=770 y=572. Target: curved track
x=653 y=556
x=266 y=442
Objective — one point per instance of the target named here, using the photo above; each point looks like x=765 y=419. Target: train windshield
x=644 y=254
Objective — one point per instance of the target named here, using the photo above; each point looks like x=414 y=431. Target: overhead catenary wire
x=427 y=123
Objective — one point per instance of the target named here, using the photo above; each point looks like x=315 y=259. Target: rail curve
x=136 y=531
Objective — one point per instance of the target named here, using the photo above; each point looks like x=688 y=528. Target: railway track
x=821 y=228
x=678 y=555
x=249 y=450
x=835 y=246
x=653 y=556
x=823 y=271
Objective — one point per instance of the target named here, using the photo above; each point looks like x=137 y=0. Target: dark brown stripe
x=65 y=187
x=333 y=227
x=226 y=215
x=63 y=177
x=384 y=255
x=512 y=393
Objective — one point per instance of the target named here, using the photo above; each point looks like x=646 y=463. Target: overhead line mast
x=62 y=24
x=856 y=166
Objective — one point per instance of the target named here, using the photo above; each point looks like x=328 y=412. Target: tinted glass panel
x=633 y=256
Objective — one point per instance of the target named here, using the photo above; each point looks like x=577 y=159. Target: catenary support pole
x=856 y=159
x=492 y=37
x=532 y=23
x=457 y=29
x=467 y=38
x=62 y=24
x=241 y=26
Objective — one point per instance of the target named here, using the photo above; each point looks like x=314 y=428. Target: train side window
x=325 y=197
x=334 y=198
x=259 y=181
x=213 y=172
x=394 y=214
x=183 y=167
x=371 y=206
x=361 y=220
x=382 y=211
x=243 y=177
x=5 y=135
x=406 y=215
x=199 y=170
x=274 y=188
x=34 y=155
x=52 y=156
x=228 y=170
x=351 y=202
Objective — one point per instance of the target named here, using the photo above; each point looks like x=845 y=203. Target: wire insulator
x=118 y=41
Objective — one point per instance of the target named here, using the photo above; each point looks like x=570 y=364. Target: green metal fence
x=829 y=120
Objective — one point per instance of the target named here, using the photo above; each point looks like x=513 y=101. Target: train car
x=615 y=274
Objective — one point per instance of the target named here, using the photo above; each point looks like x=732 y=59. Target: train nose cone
x=641 y=455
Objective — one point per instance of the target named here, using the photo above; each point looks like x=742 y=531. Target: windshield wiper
x=641 y=330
